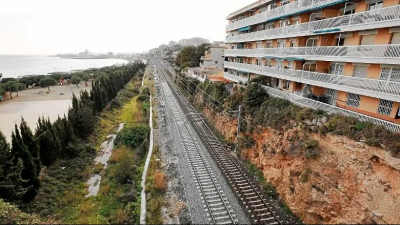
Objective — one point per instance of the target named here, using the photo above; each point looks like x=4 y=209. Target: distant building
x=218 y=43
x=162 y=47
x=172 y=43
x=214 y=74
x=214 y=56
x=196 y=41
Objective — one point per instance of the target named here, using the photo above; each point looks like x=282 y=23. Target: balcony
x=247 y=8
x=388 y=90
x=385 y=17
x=235 y=78
x=293 y=8
x=385 y=54
x=330 y=109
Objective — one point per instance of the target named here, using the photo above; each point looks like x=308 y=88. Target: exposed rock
x=319 y=200
x=377 y=214
x=360 y=145
x=308 y=123
x=349 y=147
x=314 y=121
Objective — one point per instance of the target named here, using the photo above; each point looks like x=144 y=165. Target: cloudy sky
x=71 y=26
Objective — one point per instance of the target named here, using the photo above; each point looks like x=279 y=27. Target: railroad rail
x=215 y=202
x=256 y=205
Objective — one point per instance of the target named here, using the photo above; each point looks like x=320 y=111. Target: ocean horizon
x=14 y=66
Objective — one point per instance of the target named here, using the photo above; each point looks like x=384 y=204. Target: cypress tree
x=28 y=181
x=31 y=142
x=7 y=188
x=49 y=143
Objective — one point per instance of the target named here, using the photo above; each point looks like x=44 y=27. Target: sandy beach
x=33 y=103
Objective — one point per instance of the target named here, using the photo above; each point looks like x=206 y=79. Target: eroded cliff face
x=348 y=182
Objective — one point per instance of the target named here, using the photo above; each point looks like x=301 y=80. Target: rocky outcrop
x=348 y=181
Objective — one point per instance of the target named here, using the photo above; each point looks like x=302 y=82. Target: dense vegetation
x=190 y=56
x=21 y=163
x=261 y=110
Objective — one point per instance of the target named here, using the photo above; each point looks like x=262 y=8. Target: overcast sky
x=71 y=26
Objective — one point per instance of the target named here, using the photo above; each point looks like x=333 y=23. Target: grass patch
x=156 y=186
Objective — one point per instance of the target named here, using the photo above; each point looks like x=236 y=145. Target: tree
x=29 y=181
x=31 y=142
x=75 y=80
x=47 y=82
x=7 y=187
x=2 y=91
x=49 y=142
x=255 y=95
x=12 y=86
x=190 y=56
x=86 y=78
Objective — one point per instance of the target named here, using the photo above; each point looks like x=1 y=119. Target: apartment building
x=214 y=56
x=336 y=55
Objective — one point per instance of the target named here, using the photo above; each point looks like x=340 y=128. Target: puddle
x=106 y=149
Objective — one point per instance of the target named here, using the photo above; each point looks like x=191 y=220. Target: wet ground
x=106 y=149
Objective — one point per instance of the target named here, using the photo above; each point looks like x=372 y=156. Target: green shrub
x=128 y=94
x=143 y=98
x=311 y=148
x=132 y=136
x=245 y=142
x=305 y=174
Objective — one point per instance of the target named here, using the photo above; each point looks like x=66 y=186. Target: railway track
x=255 y=203
x=215 y=202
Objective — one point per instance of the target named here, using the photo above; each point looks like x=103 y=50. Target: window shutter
x=395 y=38
x=367 y=40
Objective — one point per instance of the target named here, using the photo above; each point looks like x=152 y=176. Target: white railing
x=358 y=51
x=286 y=10
x=362 y=84
x=247 y=8
x=362 y=18
x=306 y=102
x=235 y=78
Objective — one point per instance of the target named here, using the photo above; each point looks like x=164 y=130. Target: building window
x=385 y=107
x=337 y=69
x=390 y=74
x=360 y=71
x=286 y=84
x=268 y=45
x=375 y=5
x=353 y=100
x=279 y=63
x=331 y=96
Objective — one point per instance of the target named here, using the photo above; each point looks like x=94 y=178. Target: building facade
x=336 y=55
x=195 y=41
x=214 y=56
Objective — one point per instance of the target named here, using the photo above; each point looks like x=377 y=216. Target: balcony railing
x=286 y=10
x=373 y=87
x=235 y=78
x=371 y=52
x=362 y=18
x=306 y=102
x=247 y=8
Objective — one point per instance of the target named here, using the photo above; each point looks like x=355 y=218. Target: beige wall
x=383 y=37
x=374 y=71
